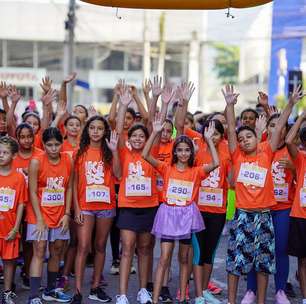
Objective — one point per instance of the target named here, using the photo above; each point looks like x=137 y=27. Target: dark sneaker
x=115 y=267
x=8 y=297
x=150 y=287
x=99 y=294
x=165 y=295
x=77 y=299
x=289 y=290
x=25 y=282
x=56 y=295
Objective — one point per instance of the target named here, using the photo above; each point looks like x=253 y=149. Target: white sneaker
x=143 y=296
x=249 y=298
x=122 y=299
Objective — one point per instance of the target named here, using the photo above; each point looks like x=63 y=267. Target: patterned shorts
x=251 y=243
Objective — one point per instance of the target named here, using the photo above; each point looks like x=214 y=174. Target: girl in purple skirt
x=178 y=216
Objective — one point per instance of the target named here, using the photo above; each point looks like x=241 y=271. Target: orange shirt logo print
x=54 y=193
x=136 y=183
x=96 y=191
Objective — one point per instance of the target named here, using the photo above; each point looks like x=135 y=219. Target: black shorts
x=183 y=241
x=138 y=220
x=205 y=242
x=297 y=237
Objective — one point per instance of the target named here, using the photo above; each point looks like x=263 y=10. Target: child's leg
x=302 y=275
x=163 y=265
x=184 y=250
x=262 y=284
x=8 y=273
x=232 y=282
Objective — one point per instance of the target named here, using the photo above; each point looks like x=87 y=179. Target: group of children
x=69 y=179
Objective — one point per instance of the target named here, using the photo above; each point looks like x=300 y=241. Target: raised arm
x=295 y=97
x=113 y=146
x=15 y=96
x=185 y=91
x=166 y=97
x=146 y=88
x=47 y=100
x=291 y=136
x=156 y=86
x=113 y=109
x=157 y=128
x=264 y=101
x=4 y=93
x=260 y=128
x=231 y=99
x=208 y=133
x=143 y=112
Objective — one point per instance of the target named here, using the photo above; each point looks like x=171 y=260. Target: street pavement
x=219 y=276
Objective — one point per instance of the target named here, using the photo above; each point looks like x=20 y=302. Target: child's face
x=80 y=113
x=222 y=119
x=248 y=119
x=138 y=139
x=53 y=148
x=216 y=137
x=183 y=152
x=26 y=139
x=128 y=120
x=247 y=141
x=96 y=131
x=271 y=129
x=73 y=127
x=188 y=123
x=166 y=133
x=3 y=126
x=6 y=155
x=33 y=122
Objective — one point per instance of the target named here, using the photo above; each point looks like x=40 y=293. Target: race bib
x=159 y=183
x=304 y=185
x=303 y=197
x=212 y=197
x=97 y=193
x=179 y=192
x=7 y=199
x=138 y=186
x=53 y=197
x=281 y=192
x=252 y=175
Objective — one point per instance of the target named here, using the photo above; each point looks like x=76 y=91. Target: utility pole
x=69 y=62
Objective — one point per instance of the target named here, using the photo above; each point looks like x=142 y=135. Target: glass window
x=134 y=62
x=115 y=61
x=105 y=95
x=50 y=55
x=173 y=68
x=20 y=53
x=84 y=56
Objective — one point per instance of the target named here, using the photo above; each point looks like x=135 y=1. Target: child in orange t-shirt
x=72 y=126
x=13 y=196
x=252 y=241
x=94 y=200
x=50 y=187
x=297 y=228
x=179 y=215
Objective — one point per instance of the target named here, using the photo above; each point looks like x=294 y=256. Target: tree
x=226 y=62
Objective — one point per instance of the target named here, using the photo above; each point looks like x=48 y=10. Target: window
x=20 y=53
x=134 y=62
x=84 y=56
x=50 y=55
x=115 y=61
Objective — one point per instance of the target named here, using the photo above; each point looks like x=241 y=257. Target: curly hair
x=183 y=139
x=11 y=142
x=85 y=139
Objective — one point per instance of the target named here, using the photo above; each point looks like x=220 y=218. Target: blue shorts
x=100 y=213
x=251 y=243
x=50 y=234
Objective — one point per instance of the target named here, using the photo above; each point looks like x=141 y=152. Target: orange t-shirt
x=21 y=164
x=299 y=204
x=52 y=183
x=252 y=174
x=96 y=189
x=38 y=140
x=69 y=148
x=138 y=181
x=181 y=188
x=284 y=188
x=213 y=189
x=13 y=191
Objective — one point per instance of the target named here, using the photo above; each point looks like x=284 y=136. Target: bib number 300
x=53 y=197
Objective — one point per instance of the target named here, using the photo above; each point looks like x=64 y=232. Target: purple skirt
x=177 y=222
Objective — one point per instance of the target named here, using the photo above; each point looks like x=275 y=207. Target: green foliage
x=227 y=62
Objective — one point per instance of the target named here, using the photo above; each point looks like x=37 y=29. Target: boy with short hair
x=13 y=196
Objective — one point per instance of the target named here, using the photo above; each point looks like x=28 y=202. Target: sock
x=35 y=283
x=51 y=282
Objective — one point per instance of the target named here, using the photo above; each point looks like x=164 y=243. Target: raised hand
x=46 y=84
x=167 y=93
x=125 y=97
x=70 y=77
x=92 y=111
x=156 y=86
x=146 y=87
x=273 y=110
x=49 y=97
x=157 y=123
x=229 y=95
x=209 y=131
x=118 y=87
x=261 y=123
x=14 y=94
x=112 y=143
x=61 y=108
x=4 y=89
x=263 y=99
x=133 y=90
x=296 y=95
x=185 y=91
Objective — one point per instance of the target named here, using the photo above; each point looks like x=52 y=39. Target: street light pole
x=69 y=62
